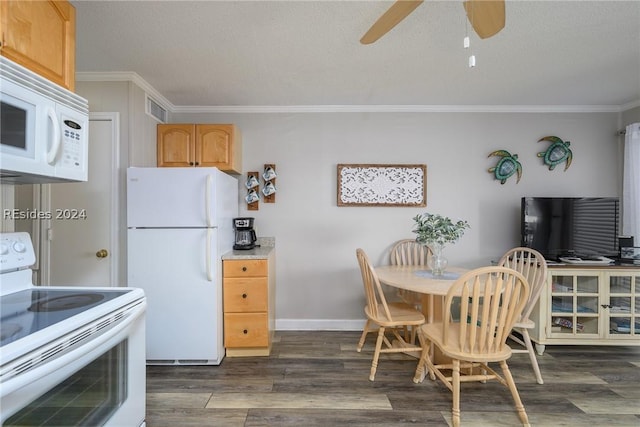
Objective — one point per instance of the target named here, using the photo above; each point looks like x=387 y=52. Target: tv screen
x=570 y=226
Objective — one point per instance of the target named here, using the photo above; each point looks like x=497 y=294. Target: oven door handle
x=80 y=351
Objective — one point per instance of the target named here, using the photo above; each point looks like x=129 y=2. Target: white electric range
x=68 y=355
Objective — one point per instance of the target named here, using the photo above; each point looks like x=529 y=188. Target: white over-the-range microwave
x=44 y=129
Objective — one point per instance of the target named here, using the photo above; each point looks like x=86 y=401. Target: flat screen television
x=585 y=227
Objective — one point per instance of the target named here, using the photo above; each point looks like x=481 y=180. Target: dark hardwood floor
x=318 y=379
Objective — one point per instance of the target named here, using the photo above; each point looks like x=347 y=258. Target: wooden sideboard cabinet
x=588 y=305
x=249 y=306
x=41 y=36
x=200 y=145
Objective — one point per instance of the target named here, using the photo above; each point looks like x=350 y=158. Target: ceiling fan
x=487 y=18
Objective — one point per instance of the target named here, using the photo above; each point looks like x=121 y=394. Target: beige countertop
x=267 y=245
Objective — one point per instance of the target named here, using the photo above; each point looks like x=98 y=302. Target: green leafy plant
x=433 y=228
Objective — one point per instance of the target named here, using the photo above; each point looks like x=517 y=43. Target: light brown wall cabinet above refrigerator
x=41 y=36
x=200 y=145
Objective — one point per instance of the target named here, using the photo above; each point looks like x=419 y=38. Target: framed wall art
x=382 y=185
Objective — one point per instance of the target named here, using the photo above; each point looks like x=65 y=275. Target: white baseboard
x=319 y=325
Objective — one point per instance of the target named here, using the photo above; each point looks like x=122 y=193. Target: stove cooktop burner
x=65 y=302
x=34 y=309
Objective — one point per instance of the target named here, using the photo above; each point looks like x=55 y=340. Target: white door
x=83 y=229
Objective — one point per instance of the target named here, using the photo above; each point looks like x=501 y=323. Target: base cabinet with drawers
x=588 y=306
x=249 y=306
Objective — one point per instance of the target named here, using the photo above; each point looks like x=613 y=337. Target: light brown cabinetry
x=200 y=145
x=249 y=312
x=588 y=305
x=41 y=36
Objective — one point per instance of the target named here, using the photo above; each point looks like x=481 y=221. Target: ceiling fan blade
x=487 y=17
x=396 y=13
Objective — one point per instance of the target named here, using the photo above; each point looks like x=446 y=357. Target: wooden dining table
x=418 y=278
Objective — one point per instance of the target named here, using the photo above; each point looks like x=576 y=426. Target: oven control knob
x=4 y=249
x=19 y=247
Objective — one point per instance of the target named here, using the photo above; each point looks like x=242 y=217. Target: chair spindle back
x=491 y=301
x=372 y=286
x=533 y=266
x=409 y=252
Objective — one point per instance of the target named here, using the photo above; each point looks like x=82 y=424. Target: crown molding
x=126 y=76
x=399 y=109
x=252 y=109
x=630 y=105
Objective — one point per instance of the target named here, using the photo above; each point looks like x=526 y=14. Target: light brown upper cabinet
x=41 y=36
x=200 y=145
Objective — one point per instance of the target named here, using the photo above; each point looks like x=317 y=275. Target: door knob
x=102 y=253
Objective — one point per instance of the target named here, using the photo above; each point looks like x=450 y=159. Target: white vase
x=437 y=262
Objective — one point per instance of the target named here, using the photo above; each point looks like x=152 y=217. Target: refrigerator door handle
x=207 y=199
x=208 y=255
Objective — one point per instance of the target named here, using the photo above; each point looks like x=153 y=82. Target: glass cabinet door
x=575 y=304
x=624 y=304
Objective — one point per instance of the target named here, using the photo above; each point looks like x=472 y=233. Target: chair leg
x=414 y=330
x=407 y=333
x=532 y=355
x=376 y=354
x=514 y=393
x=455 y=378
x=420 y=369
x=363 y=337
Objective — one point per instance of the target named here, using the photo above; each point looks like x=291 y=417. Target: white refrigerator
x=180 y=224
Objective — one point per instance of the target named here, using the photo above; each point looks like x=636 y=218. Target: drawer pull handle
x=244 y=268
x=244 y=295
x=245 y=332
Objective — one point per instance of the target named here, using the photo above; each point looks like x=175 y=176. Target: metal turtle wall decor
x=557 y=152
x=506 y=166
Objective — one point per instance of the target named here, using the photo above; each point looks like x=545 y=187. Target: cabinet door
x=215 y=146
x=623 y=305
x=40 y=35
x=575 y=305
x=175 y=145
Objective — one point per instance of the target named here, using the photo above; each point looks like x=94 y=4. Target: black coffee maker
x=245 y=234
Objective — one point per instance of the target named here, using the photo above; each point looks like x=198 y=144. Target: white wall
x=137 y=129
x=318 y=282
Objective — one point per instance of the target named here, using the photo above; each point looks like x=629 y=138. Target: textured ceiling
x=297 y=53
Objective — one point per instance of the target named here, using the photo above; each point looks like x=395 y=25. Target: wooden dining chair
x=489 y=301
x=409 y=252
x=533 y=266
x=382 y=316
